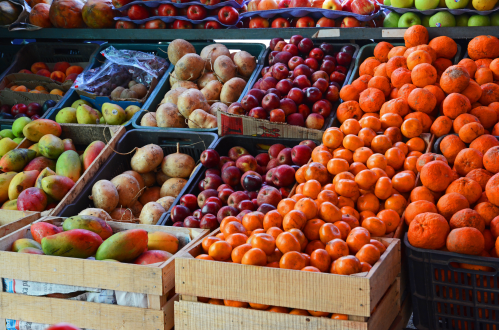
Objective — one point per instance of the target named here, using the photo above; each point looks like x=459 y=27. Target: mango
x=10 y=205
x=124 y=246
x=152 y=257
x=18 y=140
x=76 y=243
x=130 y=111
x=113 y=114
x=159 y=240
x=35 y=148
x=15 y=160
x=66 y=116
x=57 y=186
x=31 y=250
x=18 y=126
x=77 y=103
x=5 y=179
x=39 y=163
x=69 y=165
x=85 y=114
x=22 y=181
x=92 y=151
x=110 y=260
x=6 y=145
x=68 y=145
x=42 y=229
x=32 y=199
x=35 y=130
x=51 y=146
x=7 y=133
x=43 y=174
x=88 y=222
x=24 y=243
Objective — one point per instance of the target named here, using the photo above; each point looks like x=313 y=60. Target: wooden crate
x=191 y=315
x=83 y=135
x=352 y=295
x=157 y=282
x=403 y=316
x=11 y=220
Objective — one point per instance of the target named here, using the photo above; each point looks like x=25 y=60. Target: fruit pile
x=84 y=236
x=61 y=72
x=238 y=184
x=300 y=85
x=32 y=110
x=146 y=192
x=36 y=179
x=198 y=80
x=440 y=19
x=81 y=112
x=37 y=90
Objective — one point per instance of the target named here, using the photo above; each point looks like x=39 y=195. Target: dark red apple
x=284 y=157
x=237 y=197
x=223 y=160
x=305 y=45
x=274 y=91
x=316 y=53
x=272 y=56
x=291 y=48
x=300 y=154
x=341 y=69
x=191 y=222
x=302 y=69
x=224 y=186
x=190 y=201
x=284 y=86
x=277 y=116
x=236 y=152
x=258 y=93
x=270 y=174
x=312 y=63
x=215 y=171
x=337 y=77
x=328 y=49
x=246 y=163
x=215 y=200
x=249 y=102
x=5 y=108
x=252 y=182
x=209 y=221
x=231 y=163
x=313 y=95
x=210 y=158
x=269 y=195
x=19 y=108
x=296 y=95
x=283 y=57
x=296 y=119
x=211 y=181
x=284 y=191
x=304 y=110
x=295 y=40
x=322 y=107
x=262 y=159
x=288 y=106
x=275 y=149
x=321 y=84
x=210 y=208
x=274 y=42
x=246 y=205
x=332 y=94
x=328 y=66
x=226 y=211
x=204 y=195
x=274 y=162
x=318 y=75
x=311 y=144
x=224 y=194
x=179 y=213
x=252 y=194
x=283 y=176
x=280 y=71
x=267 y=83
x=258 y=113
x=33 y=109
x=343 y=58
x=301 y=82
x=265 y=208
x=295 y=61
x=231 y=175
x=270 y=102
x=178 y=224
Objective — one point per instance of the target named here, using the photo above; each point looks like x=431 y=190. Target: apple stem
x=178 y=147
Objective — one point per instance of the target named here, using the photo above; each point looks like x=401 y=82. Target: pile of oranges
x=36 y=90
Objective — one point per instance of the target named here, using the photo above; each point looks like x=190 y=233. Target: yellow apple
x=331 y=5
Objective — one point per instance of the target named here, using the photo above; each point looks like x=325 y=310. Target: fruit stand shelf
x=157 y=35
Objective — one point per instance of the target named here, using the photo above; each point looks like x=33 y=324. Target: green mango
x=18 y=140
x=69 y=165
x=35 y=148
x=25 y=243
x=76 y=243
x=51 y=146
x=6 y=145
x=88 y=222
x=66 y=116
x=124 y=246
x=15 y=160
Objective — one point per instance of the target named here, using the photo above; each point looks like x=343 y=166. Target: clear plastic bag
x=121 y=67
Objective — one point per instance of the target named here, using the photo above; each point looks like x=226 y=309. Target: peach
x=43 y=72
x=34 y=91
x=74 y=69
x=21 y=89
x=71 y=77
x=58 y=76
x=57 y=92
x=61 y=66
x=13 y=87
x=39 y=66
x=40 y=88
x=25 y=71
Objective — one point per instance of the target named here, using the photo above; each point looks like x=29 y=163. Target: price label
x=393 y=33
x=327 y=33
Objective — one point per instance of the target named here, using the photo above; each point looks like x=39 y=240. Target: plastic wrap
x=306 y=11
x=121 y=67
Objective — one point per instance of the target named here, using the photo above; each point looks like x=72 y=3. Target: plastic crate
x=257 y=50
x=7 y=55
x=222 y=146
x=447 y=297
x=192 y=144
x=368 y=51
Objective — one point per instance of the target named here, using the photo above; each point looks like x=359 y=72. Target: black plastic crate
x=192 y=144
x=255 y=145
x=447 y=297
x=7 y=55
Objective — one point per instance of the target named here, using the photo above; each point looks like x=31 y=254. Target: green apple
x=456 y=4
x=403 y=3
x=426 y=4
x=462 y=20
x=391 y=20
x=494 y=19
x=479 y=20
x=442 y=19
x=425 y=21
x=387 y=2
x=409 y=19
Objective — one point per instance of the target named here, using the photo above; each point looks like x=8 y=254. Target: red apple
x=280 y=22
x=167 y=10
x=249 y=102
x=138 y=12
x=322 y=107
x=284 y=157
x=179 y=213
x=346 y=5
x=236 y=198
x=277 y=116
x=350 y=22
x=295 y=119
x=33 y=109
x=270 y=102
x=316 y=53
x=341 y=69
x=274 y=41
x=125 y=25
x=304 y=110
x=296 y=95
x=284 y=4
x=210 y=158
x=216 y=200
x=262 y=159
x=305 y=45
x=295 y=40
x=251 y=182
x=180 y=25
x=265 y=208
x=313 y=95
x=212 y=25
x=209 y=221
x=288 y=106
x=362 y=7
x=224 y=194
x=258 y=23
x=328 y=66
x=226 y=211
x=269 y=195
x=311 y=144
x=303 y=69
x=246 y=163
x=211 y=181
x=228 y=15
x=314 y=121
x=189 y=201
x=270 y=174
x=337 y=77
x=312 y=64
x=18 y=108
x=231 y=163
x=299 y=3
x=241 y=214
x=190 y=222
x=280 y=46
x=343 y=59
x=275 y=149
x=197 y=214
x=274 y=162
x=267 y=83
x=236 y=108
x=301 y=82
x=236 y=152
x=274 y=91
x=291 y=48
x=321 y=84
x=284 y=86
x=325 y=22
x=319 y=74
x=283 y=57
x=258 y=93
x=300 y=154
x=246 y=205
x=204 y=195
x=210 y=208
x=295 y=61
x=214 y=171
x=258 y=113
x=284 y=175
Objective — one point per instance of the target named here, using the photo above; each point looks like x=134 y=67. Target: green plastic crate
x=257 y=50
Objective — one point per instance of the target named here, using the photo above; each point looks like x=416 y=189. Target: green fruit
x=88 y=222
x=57 y=186
x=51 y=146
x=494 y=20
x=7 y=133
x=391 y=20
x=18 y=140
x=124 y=246
x=10 y=205
x=409 y=19
x=18 y=126
x=456 y=4
x=43 y=174
x=22 y=181
x=24 y=243
x=34 y=147
x=85 y=114
x=6 y=145
x=5 y=180
x=443 y=19
x=462 y=20
x=425 y=21
x=77 y=103
x=403 y=3
x=113 y=114
x=15 y=160
x=479 y=20
x=426 y=4
x=69 y=165
x=76 y=243
x=66 y=116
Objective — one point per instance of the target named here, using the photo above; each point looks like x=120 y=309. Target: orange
x=329 y=212
x=375 y=226
x=220 y=251
x=337 y=248
x=272 y=219
x=294 y=219
x=292 y=260
x=284 y=206
x=321 y=260
x=287 y=242
x=357 y=238
x=328 y=232
x=238 y=252
x=254 y=257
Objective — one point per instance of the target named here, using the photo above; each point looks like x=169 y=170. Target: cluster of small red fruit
x=300 y=84
x=226 y=15
x=32 y=110
x=240 y=183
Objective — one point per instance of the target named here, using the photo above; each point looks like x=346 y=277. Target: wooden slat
x=350 y=295
x=403 y=316
x=386 y=310
x=11 y=220
x=169 y=312
x=81 y=314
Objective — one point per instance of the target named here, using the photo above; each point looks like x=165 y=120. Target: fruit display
x=125 y=75
x=31 y=110
x=300 y=85
x=37 y=178
x=439 y=19
x=9 y=12
x=144 y=193
x=8 y=140
x=201 y=85
x=467 y=6
x=82 y=112
x=240 y=183
x=59 y=72
x=84 y=236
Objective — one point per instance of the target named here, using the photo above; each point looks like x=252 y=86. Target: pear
x=113 y=114
x=85 y=114
x=130 y=111
x=66 y=116
x=77 y=103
